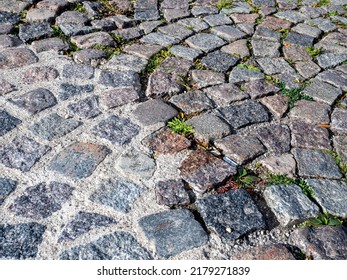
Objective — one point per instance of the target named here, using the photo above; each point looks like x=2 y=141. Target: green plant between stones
x=339 y=162
x=224 y=4
x=243 y=178
x=294 y=94
x=313 y=52
x=323 y=219
x=248 y=66
x=178 y=125
x=156 y=60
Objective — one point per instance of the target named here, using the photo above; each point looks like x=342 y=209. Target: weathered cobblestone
x=7 y=186
x=13 y=58
x=42 y=200
x=22 y=153
x=173 y=232
x=7 y=122
x=172 y=193
x=79 y=160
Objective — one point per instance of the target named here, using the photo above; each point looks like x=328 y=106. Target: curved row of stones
x=89 y=169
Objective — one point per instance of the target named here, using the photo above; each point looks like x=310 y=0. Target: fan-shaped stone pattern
x=117 y=130
x=321 y=243
x=82 y=223
x=7 y=122
x=7 y=186
x=330 y=195
x=203 y=171
x=165 y=79
x=20 y=241
x=173 y=232
x=53 y=126
x=42 y=200
x=35 y=101
x=230 y=215
x=22 y=153
x=289 y=204
x=165 y=141
x=117 y=194
x=119 y=245
x=79 y=160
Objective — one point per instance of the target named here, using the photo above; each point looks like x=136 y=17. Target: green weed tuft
x=156 y=60
x=323 y=220
x=294 y=94
x=224 y=4
x=178 y=125
x=313 y=52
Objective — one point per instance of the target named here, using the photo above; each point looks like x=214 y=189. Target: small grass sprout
x=294 y=94
x=323 y=219
x=224 y=4
x=178 y=125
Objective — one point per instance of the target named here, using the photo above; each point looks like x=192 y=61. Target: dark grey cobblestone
x=7 y=122
x=7 y=186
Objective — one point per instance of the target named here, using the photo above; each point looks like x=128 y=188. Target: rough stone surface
x=283 y=164
x=137 y=164
x=5 y=87
x=20 y=241
x=310 y=111
x=204 y=78
x=321 y=243
x=203 y=170
x=276 y=138
x=277 y=104
x=67 y=90
x=117 y=130
x=173 y=232
x=119 y=245
x=165 y=141
x=7 y=122
x=205 y=42
x=265 y=252
x=7 y=186
x=40 y=74
x=35 y=101
x=330 y=195
x=53 y=126
x=118 y=97
x=16 y=57
x=86 y=108
x=154 y=111
x=338 y=121
x=289 y=204
x=315 y=163
x=42 y=200
x=34 y=31
x=219 y=61
x=225 y=94
x=246 y=113
x=79 y=160
x=230 y=215
x=117 y=194
x=322 y=92
x=22 y=153
x=240 y=149
x=172 y=193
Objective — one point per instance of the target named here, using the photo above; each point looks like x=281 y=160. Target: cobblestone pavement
x=91 y=91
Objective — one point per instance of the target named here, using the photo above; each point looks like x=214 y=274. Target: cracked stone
x=340 y=144
x=336 y=78
x=117 y=130
x=316 y=163
x=129 y=34
x=22 y=153
x=196 y=24
x=230 y=215
x=296 y=53
x=42 y=200
x=7 y=122
x=330 y=195
x=305 y=29
x=118 y=97
x=289 y=204
x=292 y=16
x=240 y=149
x=117 y=194
x=82 y=223
x=7 y=186
x=203 y=171
x=20 y=241
x=137 y=164
x=119 y=245
x=67 y=91
x=172 y=193
x=192 y=102
x=154 y=111
x=165 y=141
x=309 y=136
x=246 y=113
x=53 y=126
x=173 y=232
x=264 y=33
x=79 y=160
x=225 y=94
